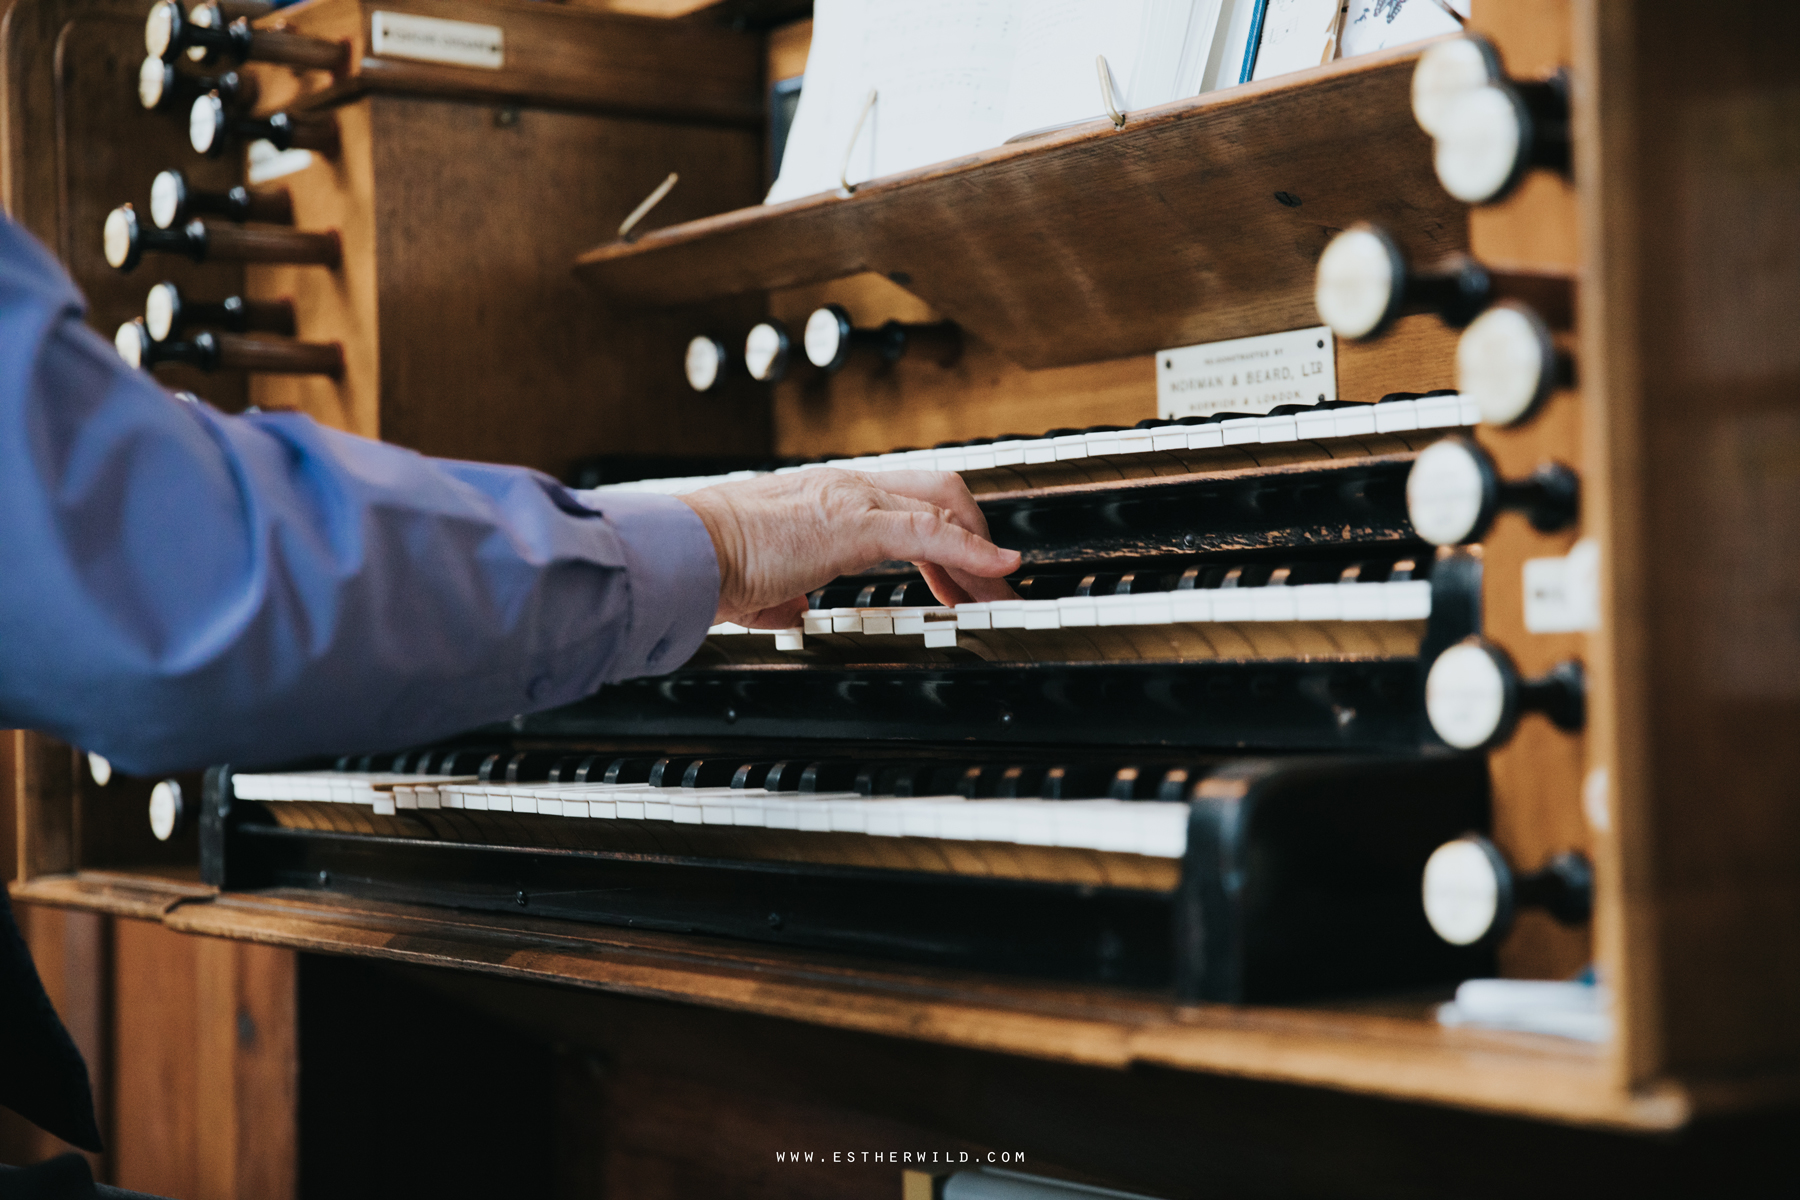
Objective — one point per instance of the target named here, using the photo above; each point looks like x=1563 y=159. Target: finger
x=945 y=489
x=785 y=615
x=946 y=589
x=928 y=537
x=981 y=588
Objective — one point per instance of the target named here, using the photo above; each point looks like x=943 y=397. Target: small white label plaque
x=432 y=39
x=1562 y=595
x=1247 y=375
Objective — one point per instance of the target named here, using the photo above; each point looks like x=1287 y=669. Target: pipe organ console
x=1329 y=707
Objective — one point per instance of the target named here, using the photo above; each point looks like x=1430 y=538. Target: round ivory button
x=206 y=121
x=1461 y=891
x=1447 y=493
x=1359 y=277
x=129 y=342
x=165 y=809
x=165 y=199
x=119 y=236
x=1480 y=137
x=1466 y=696
x=824 y=337
x=765 y=353
x=704 y=364
x=153 y=76
x=201 y=15
x=1445 y=72
x=159 y=29
x=1503 y=362
x=99 y=768
x=159 y=311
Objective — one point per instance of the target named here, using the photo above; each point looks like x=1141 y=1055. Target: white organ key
x=1397 y=416
x=1321 y=423
x=873 y=623
x=1205 y=437
x=1319 y=601
x=1277 y=429
x=1239 y=431
x=1356 y=421
x=1136 y=441
x=1070 y=446
x=1039 y=450
x=1437 y=412
x=1006 y=614
x=974 y=616
x=1275 y=603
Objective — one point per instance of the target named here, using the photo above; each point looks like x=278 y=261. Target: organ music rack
x=1676 y=884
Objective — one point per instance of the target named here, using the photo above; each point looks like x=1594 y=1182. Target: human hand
x=780 y=536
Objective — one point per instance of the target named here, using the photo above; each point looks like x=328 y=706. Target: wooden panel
x=641 y=1076
x=788 y=47
x=76 y=143
x=1095 y=244
x=464 y=333
x=1394 y=1051
x=206 y=1066
x=1538 y=775
x=871 y=407
x=72 y=952
x=44 y=814
x=1692 y=378
x=560 y=56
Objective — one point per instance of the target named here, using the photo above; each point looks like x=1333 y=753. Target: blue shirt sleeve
x=180 y=587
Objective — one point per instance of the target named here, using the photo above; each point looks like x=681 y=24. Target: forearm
x=185 y=587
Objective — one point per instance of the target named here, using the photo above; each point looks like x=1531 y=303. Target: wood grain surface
x=1096 y=244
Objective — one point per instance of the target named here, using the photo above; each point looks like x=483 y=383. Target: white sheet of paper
x=1296 y=34
x=1382 y=24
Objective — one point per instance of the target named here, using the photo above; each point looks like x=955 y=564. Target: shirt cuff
x=673 y=571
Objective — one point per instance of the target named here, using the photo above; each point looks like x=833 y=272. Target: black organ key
x=667 y=772
x=1020 y=782
x=168 y=312
x=532 y=766
x=711 y=772
x=575 y=769
x=752 y=774
x=1178 y=784
x=829 y=775
x=831 y=337
x=629 y=770
x=125 y=241
x=1077 y=781
x=1135 y=783
x=785 y=776
x=174 y=202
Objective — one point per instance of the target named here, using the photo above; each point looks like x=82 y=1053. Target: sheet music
x=954 y=77
x=940 y=69
x=1380 y=24
x=1296 y=34
x=1054 y=80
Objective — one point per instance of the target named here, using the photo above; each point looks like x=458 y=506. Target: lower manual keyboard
x=1223 y=879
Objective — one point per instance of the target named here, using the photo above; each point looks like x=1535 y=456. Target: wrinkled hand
x=781 y=536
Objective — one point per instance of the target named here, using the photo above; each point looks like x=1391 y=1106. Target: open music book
x=954 y=77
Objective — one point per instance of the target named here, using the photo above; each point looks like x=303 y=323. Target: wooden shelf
x=1392 y=1049
x=1097 y=243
